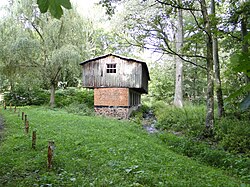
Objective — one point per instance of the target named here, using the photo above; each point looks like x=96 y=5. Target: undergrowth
x=37 y=96
x=182 y=131
x=94 y=151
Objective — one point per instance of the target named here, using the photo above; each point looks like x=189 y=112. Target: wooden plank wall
x=128 y=74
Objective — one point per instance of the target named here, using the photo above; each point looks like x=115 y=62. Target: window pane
x=111 y=68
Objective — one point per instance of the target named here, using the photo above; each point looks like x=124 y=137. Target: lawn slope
x=94 y=151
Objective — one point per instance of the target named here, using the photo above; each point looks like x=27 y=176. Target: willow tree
x=62 y=43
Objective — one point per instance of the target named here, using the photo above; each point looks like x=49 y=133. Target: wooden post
x=25 y=118
x=51 y=148
x=4 y=105
x=34 y=139
x=22 y=115
x=15 y=109
x=25 y=121
x=10 y=106
x=27 y=127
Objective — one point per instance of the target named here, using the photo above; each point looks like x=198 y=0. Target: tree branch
x=177 y=6
x=163 y=50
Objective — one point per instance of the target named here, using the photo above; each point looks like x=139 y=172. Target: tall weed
x=233 y=135
x=189 y=120
x=235 y=164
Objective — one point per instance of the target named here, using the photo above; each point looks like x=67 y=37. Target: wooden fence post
x=27 y=127
x=22 y=115
x=25 y=118
x=51 y=148
x=4 y=105
x=34 y=139
x=10 y=106
x=15 y=109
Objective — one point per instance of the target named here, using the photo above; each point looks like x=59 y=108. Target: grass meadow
x=94 y=151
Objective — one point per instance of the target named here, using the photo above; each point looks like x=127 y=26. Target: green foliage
x=54 y=6
x=66 y=97
x=189 y=120
x=233 y=134
x=80 y=108
x=95 y=151
x=137 y=115
x=22 y=96
x=81 y=99
x=240 y=64
x=161 y=85
x=236 y=164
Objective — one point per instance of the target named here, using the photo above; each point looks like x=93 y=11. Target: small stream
x=149 y=122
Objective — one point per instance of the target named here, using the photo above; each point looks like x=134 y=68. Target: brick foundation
x=117 y=112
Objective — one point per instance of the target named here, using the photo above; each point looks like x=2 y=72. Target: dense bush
x=189 y=120
x=22 y=96
x=233 y=135
x=66 y=97
x=63 y=97
x=228 y=149
x=80 y=108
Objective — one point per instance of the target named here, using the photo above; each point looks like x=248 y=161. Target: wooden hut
x=118 y=83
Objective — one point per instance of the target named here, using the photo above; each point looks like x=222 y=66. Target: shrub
x=79 y=108
x=189 y=120
x=233 y=135
x=22 y=96
x=35 y=96
x=66 y=97
x=237 y=164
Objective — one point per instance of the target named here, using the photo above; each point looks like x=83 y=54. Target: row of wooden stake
x=51 y=144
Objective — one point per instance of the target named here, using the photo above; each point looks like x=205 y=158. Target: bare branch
x=164 y=51
x=229 y=33
x=196 y=21
x=178 y=6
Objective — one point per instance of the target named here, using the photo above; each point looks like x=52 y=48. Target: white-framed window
x=111 y=68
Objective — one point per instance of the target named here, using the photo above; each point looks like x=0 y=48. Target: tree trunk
x=178 y=97
x=210 y=77
x=52 y=95
x=220 y=102
x=245 y=44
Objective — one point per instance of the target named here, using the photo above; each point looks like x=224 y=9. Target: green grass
x=94 y=151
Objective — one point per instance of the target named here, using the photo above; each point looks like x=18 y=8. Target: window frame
x=111 y=68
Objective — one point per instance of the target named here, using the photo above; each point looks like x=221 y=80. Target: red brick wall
x=111 y=97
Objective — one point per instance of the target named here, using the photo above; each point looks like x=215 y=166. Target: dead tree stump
x=51 y=148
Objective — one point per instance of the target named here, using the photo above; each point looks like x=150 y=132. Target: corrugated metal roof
x=118 y=56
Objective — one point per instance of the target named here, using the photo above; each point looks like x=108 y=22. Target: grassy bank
x=94 y=151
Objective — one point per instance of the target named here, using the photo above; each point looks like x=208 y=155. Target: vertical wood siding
x=128 y=74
